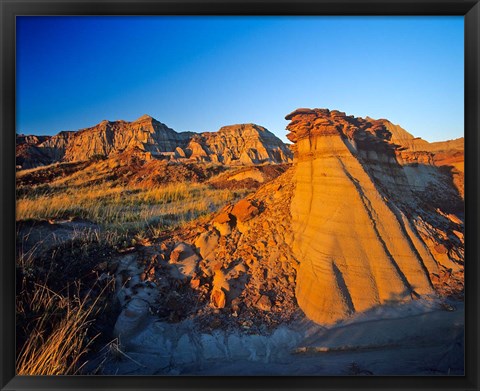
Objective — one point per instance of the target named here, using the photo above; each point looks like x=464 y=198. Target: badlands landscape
x=145 y=251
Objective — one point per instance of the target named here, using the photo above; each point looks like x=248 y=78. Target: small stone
x=244 y=210
x=224 y=229
x=264 y=303
x=194 y=283
x=235 y=305
x=164 y=247
x=218 y=299
x=223 y=217
x=206 y=244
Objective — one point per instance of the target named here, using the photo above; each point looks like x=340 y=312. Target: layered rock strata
x=357 y=249
x=414 y=151
x=145 y=133
x=245 y=144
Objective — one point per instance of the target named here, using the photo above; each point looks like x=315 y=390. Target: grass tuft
x=58 y=337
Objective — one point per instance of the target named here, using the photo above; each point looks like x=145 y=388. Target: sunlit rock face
x=242 y=144
x=414 y=151
x=145 y=133
x=246 y=144
x=347 y=228
x=356 y=248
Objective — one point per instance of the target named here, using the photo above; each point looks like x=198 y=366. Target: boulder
x=184 y=261
x=244 y=210
x=206 y=244
x=218 y=298
x=264 y=303
x=223 y=223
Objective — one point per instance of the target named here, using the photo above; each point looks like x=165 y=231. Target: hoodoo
x=356 y=249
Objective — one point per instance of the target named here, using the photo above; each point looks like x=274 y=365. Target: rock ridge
x=244 y=144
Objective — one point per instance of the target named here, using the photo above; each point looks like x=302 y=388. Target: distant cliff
x=235 y=144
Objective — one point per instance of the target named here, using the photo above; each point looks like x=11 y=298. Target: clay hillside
x=235 y=144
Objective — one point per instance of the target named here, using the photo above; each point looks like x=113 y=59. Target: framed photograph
x=245 y=195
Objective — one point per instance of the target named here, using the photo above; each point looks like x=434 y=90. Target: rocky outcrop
x=33 y=151
x=244 y=144
x=345 y=230
x=349 y=227
x=414 y=151
x=30 y=156
x=30 y=139
x=247 y=144
x=145 y=133
x=245 y=177
x=357 y=248
x=56 y=146
x=405 y=139
x=409 y=142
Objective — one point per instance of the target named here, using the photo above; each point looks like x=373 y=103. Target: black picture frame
x=11 y=8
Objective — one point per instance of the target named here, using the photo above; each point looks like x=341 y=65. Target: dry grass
x=120 y=207
x=59 y=297
x=59 y=339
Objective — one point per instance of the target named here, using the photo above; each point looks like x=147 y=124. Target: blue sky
x=200 y=73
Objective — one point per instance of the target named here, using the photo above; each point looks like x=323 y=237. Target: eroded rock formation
x=357 y=247
x=415 y=151
x=34 y=151
x=349 y=227
x=244 y=144
x=346 y=229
